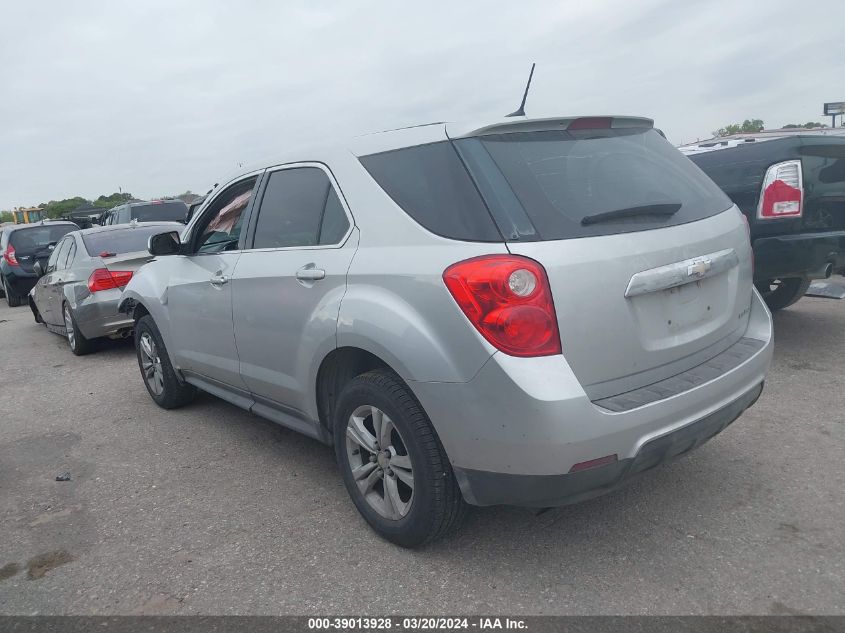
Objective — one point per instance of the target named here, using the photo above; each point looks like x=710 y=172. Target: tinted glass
x=170 y=211
x=51 y=262
x=57 y=257
x=220 y=227
x=291 y=209
x=432 y=185
x=37 y=238
x=71 y=254
x=335 y=223
x=560 y=177
x=119 y=241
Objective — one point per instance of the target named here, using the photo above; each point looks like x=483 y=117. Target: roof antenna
x=521 y=110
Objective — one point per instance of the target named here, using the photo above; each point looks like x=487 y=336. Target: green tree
x=7 y=216
x=749 y=125
x=58 y=208
x=107 y=202
x=809 y=125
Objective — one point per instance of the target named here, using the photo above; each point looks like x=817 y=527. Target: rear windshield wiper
x=664 y=210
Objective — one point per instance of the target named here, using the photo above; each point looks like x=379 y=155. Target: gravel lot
x=211 y=510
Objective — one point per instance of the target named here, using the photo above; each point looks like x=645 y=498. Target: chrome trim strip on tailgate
x=731 y=358
x=680 y=273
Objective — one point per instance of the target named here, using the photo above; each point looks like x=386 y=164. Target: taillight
x=10 y=257
x=782 y=192
x=105 y=279
x=508 y=300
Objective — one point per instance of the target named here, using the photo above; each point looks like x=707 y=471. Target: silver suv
x=528 y=312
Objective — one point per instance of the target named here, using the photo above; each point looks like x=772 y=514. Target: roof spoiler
x=457 y=130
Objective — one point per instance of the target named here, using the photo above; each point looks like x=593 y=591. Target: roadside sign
x=837 y=107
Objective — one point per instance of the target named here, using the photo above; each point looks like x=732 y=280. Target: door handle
x=219 y=280
x=307 y=273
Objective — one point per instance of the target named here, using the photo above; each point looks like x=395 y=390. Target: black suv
x=790 y=184
x=153 y=211
x=20 y=247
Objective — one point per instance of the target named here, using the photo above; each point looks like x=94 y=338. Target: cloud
x=159 y=97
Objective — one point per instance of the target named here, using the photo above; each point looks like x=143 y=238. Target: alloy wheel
x=69 y=330
x=151 y=364
x=380 y=463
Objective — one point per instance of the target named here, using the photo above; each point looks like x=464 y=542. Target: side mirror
x=39 y=269
x=164 y=244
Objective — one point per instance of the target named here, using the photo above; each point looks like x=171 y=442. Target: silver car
x=78 y=291
x=525 y=311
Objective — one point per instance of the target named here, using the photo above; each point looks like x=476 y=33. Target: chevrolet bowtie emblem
x=698 y=269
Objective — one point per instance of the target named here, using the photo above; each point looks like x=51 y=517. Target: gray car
x=78 y=289
x=523 y=311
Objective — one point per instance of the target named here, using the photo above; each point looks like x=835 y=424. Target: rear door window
x=431 y=184
x=299 y=207
x=54 y=256
x=71 y=253
x=588 y=182
x=57 y=257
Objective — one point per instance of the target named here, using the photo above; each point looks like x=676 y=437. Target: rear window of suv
x=547 y=185
x=175 y=211
x=34 y=239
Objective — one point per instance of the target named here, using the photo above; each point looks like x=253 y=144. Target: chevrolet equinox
x=525 y=312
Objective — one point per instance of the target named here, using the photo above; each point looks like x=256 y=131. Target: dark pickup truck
x=790 y=184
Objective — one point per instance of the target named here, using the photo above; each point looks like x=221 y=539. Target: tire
x=782 y=293
x=35 y=313
x=413 y=515
x=157 y=372
x=11 y=298
x=78 y=344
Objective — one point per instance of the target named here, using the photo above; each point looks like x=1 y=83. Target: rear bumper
x=542 y=491
x=515 y=431
x=97 y=315
x=799 y=255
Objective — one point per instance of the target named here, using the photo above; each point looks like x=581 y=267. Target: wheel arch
x=339 y=367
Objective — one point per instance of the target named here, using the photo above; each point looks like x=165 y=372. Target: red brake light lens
x=9 y=256
x=590 y=123
x=508 y=300
x=783 y=191
x=105 y=279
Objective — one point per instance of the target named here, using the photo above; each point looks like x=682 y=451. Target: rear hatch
x=648 y=261
x=36 y=243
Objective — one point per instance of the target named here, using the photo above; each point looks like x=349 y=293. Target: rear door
x=44 y=285
x=289 y=282
x=63 y=276
x=648 y=261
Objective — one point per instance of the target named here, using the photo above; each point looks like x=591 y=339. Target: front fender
x=148 y=287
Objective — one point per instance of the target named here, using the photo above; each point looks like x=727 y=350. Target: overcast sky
x=158 y=97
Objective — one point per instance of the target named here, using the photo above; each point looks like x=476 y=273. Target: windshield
x=34 y=239
x=119 y=241
x=171 y=211
x=542 y=185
